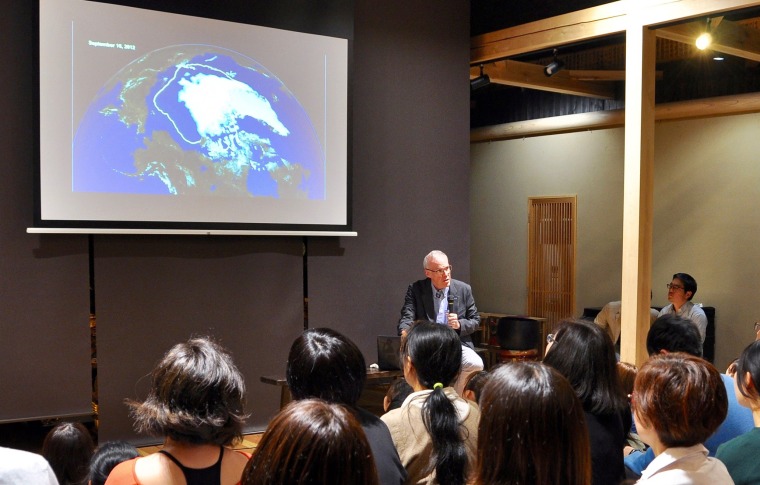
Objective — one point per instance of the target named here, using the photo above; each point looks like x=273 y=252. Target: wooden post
x=638 y=190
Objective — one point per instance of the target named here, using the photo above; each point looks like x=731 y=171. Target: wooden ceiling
x=591 y=44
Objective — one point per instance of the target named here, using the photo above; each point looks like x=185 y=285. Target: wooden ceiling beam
x=684 y=33
x=527 y=75
x=698 y=108
x=658 y=12
x=544 y=34
x=737 y=40
x=592 y=23
x=596 y=75
x=601 y=75
x=728 y=37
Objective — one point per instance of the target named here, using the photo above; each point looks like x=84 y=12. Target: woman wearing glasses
x=583 y=353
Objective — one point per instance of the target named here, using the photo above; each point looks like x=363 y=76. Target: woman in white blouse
x=678 y=401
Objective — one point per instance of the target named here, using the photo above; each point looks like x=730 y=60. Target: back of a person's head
x=325 y=364
x=196 y=396
x=681 y=397
x=475 y=383
x=397 y=393
x=627 y=375
x=68 y=448
x=312 y=442
x=106 y=457
x=584 y=353
x=672 y=333
x=532 y=429
x=748 y=365
x=435 y=352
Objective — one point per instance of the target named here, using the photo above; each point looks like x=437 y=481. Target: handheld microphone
x=451 y=303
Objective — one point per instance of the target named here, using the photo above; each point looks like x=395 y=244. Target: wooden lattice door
x=551 y=258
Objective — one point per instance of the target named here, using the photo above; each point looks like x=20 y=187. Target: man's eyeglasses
x=757 y=327
x=550 y=338
x=447 y=269
x=674 y=287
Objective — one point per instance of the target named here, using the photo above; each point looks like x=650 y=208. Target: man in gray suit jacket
x=429 y=299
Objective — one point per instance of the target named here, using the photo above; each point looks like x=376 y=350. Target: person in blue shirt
x=671 y=333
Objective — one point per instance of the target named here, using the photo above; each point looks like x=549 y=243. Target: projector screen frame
x=61 y=226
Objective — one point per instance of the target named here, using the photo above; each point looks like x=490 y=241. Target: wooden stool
x=517 y=355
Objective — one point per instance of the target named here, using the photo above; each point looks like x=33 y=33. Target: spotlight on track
x=481 y=81
x=705 y=38
x=553 y=67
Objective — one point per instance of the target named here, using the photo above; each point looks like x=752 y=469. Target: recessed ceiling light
x=718 y=58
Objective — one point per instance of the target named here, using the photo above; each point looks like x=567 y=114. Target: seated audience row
x=564 y=421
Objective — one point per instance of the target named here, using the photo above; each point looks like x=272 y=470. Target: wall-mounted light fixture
x=705 y=38
x=481 y=81
x=553 y=67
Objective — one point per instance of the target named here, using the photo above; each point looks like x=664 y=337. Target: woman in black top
x=583 y=352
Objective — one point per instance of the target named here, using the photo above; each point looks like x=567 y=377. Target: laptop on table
x=388 y=352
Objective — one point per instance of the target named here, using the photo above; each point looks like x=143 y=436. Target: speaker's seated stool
x=517 y=355
x=519 y=338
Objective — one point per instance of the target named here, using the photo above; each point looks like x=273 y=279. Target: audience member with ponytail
x=435 y=431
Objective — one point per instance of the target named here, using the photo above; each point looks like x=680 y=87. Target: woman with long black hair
x=532 y=430
x=583 y=352
x=435 y=431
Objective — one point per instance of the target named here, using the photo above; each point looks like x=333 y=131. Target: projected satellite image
x=197 y=120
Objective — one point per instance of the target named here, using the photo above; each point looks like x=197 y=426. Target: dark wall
x=410 y=152
x=411 y=166
x=153 y=292
x=44 y=299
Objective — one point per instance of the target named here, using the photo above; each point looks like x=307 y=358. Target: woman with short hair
x=532 y=429
x=678 y=401
x=196 y=404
